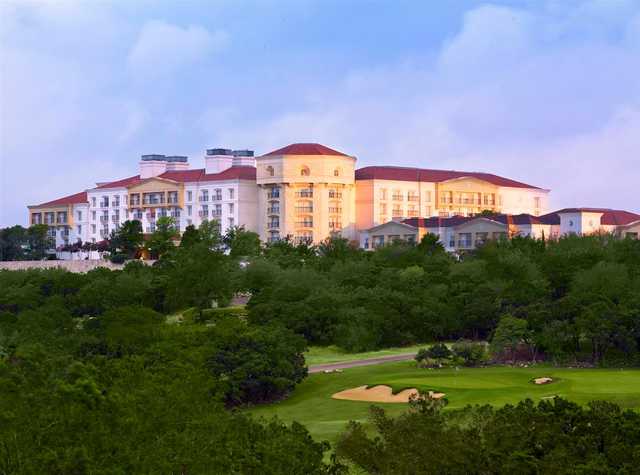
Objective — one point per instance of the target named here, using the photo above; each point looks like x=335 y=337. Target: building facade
x=464 y=233
x=307 y=193
x=386 y=193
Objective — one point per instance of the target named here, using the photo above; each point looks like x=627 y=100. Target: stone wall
x=72 y=266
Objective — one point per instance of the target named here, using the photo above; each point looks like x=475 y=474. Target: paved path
x=367 y=362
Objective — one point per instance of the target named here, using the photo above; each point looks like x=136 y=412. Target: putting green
x=311 y=403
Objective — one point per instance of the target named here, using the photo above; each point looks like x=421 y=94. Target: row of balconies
x=205 y=198
x=206 y=214
x=467 y=201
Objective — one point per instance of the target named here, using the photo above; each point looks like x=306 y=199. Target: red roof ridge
x=305 y=149
x=433 y=175
x=65 y=200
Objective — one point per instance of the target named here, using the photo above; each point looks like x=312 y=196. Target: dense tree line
x=552 y=437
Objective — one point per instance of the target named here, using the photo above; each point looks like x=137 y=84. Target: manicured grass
x=311 y=402
x=332 y=354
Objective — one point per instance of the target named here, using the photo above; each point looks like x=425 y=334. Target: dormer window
x=270 y=170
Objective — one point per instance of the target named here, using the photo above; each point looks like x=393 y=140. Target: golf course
x=312 y=405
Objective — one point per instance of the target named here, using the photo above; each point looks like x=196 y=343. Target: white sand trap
x=545 y=380
x=380 y=393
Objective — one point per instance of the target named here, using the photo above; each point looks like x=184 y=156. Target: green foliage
x=556 y=437
x=241 y=243
x=255 y=364
x=509 y=333
x=162 y=239
x=127 y=239
x=472 y=353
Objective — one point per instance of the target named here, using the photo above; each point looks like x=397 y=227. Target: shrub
x=439 y=351
x=472 y=353
x=118 y=258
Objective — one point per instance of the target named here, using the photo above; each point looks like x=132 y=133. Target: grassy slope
x=332 y=354
x=311 y=403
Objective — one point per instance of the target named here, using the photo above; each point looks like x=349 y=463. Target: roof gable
x=305 y=149
x=76 y=198
x=433 y=176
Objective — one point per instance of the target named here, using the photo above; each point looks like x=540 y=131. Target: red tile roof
x=66 y=200
x=188 y=176
x=436 y=222
x=610 y=217
x=305 y=149
x=435 y=176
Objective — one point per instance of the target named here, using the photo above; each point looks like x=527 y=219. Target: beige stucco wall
x=321 y=179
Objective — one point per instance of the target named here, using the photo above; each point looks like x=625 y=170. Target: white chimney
x=152 y=165
x=217 y=160
x=177 y=163
x=243 y=158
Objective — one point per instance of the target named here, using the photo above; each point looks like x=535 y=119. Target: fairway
x=311 y=403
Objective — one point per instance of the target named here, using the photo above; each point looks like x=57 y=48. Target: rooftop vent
x=243 y=153
x=219 y=151
x=177 y=158
x=154 y=157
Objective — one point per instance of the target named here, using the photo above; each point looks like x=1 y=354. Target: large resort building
x=307 y=192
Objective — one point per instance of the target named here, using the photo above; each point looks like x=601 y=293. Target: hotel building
x=307 y=192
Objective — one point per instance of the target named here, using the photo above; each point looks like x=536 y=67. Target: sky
x=545 y=92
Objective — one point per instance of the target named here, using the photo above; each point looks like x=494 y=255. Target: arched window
x=270 y=171
x=304 y=171
x=336 y=172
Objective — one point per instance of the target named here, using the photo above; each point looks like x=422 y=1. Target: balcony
x=273 y=210
x=151 y=216
x=412 y=214
x=445 y=200
x=304 y=224
x=104 y=219
x=115 y=219
x=413 y=198
x=115 y=204
x=137 y=216
x=273 y=195
x=203 y=198
x=155 y=201
x=216 y=198
x=304 y=194
x=172 y=200
x=335 y=210
x=216 y=213
x=335 y=195
x=335 y=226
x=273 y=225
x=397 y=198
x=304 y=209
x=175 y=214
x=134 y=203
x=203 y=214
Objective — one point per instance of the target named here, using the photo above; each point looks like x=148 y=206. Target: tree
x=12 y=243
x=430 y=244
x=509 y=333
x=162 y=239
x=256 y=364
x=190 y=236
x=241 y=243
x=128 y=239
x=39 y=240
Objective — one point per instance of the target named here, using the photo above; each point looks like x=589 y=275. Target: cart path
x=356 y=363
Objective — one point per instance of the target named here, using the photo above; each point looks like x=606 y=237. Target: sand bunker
x=545 y=380
x=380 y=394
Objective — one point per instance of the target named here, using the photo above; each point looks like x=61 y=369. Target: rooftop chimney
x=218 y=160
x=152 y=165
x=243 y=158
x=177 y=162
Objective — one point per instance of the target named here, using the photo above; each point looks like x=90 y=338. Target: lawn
x=311 y=403
x=332 y=354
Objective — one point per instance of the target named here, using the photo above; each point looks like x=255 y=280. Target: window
x=366 y=243
x=93 y=215
x=383 y=193
x=218 y=194
x=270 y=171
x=189 y=195
x=79 y=229
x=464 y=240
x=231 y=193
x=230 y=208
x=93 y=201
x=204 y=195
x=231 y=222
x=397 y=195
x=427 y=211
x=79 y=215
x=427 y=196
x=536 y=202
x=336 y=172
x=304 y=171
x=218 y=210
x=383 y=208
x=93 y=228
x=189 y=210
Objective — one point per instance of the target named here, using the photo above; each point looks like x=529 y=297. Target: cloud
x=510 y=93
x=162 y=48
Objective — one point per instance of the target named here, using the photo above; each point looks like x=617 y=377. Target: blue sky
x=546 y=92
